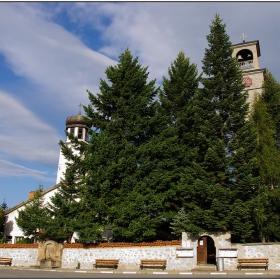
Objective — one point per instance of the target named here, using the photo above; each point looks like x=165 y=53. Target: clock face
x=247 y=81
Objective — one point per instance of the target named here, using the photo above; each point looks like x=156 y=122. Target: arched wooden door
x=202 y=250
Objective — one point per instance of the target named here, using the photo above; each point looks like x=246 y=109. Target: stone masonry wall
x=20 y=256
x=129 y=258
x=256 y=87
x=261 y=250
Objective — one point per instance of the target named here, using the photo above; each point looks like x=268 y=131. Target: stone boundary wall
x=130 y=254
x=261 y=250
x=23 y=256
x=129 y=258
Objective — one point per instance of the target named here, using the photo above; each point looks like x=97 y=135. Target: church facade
x=246 y=53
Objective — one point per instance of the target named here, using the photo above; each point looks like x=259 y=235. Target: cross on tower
x=80 y=106
x=243 y=37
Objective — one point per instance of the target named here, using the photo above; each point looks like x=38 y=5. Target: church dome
x=75 y=120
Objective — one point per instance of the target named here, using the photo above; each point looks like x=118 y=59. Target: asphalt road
x=37 y=274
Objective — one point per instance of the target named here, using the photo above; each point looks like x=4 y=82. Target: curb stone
x=118 y=271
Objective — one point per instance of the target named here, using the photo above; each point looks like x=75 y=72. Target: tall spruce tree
x=176 y=98
x=223 y=176
x=123 y=188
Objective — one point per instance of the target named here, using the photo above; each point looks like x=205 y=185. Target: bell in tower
x=247 y=55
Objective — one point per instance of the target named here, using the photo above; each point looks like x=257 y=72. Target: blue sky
x=52 y=52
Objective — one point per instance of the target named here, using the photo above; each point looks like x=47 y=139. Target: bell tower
x=247 y=55
x=78 y=127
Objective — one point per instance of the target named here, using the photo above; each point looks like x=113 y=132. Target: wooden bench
x=252 y=263
x=153 y=264
x=6 y=261
x=106 y=263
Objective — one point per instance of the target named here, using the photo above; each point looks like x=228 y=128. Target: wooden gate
x=202 y=250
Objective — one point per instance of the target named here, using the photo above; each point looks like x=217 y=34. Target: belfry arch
x=245 y=59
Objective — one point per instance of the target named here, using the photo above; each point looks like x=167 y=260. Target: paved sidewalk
x=155 y=271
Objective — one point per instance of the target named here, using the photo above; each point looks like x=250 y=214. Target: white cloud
x=48 y=55
x=9 y=169
x=157 y=31
x=23 y=136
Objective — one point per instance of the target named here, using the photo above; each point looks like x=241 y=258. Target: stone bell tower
x=78 y=127
x=247 y=54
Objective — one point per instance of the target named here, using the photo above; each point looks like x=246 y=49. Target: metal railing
x=246 y=64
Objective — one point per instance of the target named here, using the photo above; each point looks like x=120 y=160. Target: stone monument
x=49 y=254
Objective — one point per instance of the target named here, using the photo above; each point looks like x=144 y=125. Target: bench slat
x=249 y=262
x=6 y=261
x=153 y=263
x=106 y=263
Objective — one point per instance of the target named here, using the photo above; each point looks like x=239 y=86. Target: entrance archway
x=206 y=251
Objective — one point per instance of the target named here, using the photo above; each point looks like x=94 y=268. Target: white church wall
x=11 y=229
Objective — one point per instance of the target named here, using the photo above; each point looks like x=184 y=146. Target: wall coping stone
x=11 y=246
x=123 y=244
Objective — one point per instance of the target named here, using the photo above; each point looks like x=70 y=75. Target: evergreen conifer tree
x=123 y=188
x=265 y=206
x=223 y=176
x=176 y=132
x=267 y=153
x=271 y=97
x=32 y=220
x=3 y=208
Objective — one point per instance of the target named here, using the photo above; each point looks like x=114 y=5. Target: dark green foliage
x=3 y=208
x=4 y=205
x=25 y=241
x=32 y=220
x=265 y=206
x=176 y=134
x=2 y=220
x=222 y=177
x=122 y=184
x=267 y=153
x=271 y=97
x=176 y=107
x=264 y=210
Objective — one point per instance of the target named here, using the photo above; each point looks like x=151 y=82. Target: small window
x=18 y=238
x=80 y=133
x=72 y=129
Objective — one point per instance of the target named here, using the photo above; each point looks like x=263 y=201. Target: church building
x=247 y=54
x=75 y=125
